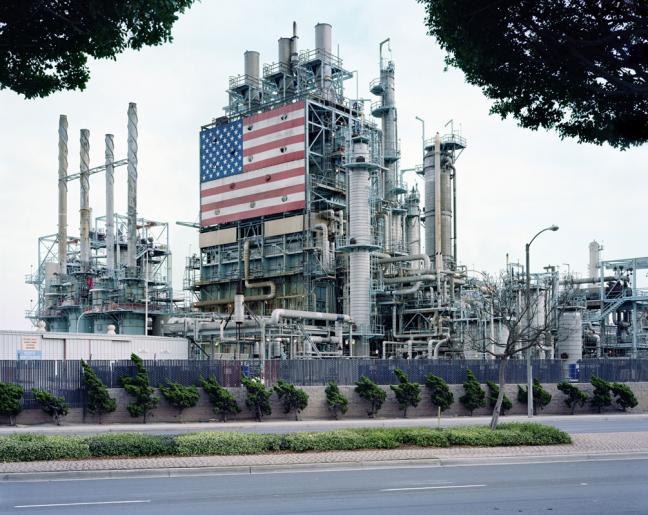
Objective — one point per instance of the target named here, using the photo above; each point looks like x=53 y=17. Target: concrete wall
x=317 y=408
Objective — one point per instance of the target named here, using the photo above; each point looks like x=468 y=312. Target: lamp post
x=528 y=316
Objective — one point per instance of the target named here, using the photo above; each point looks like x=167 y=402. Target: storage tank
x=570 y=342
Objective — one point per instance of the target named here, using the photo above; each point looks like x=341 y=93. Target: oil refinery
x=312 y=245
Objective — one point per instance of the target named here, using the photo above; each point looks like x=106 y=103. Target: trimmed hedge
x=32 y=447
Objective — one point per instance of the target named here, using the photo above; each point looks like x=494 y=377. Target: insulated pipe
x=110 y=204
x=410 y=258
x=407 y=291
x=84 y=211
x=132 y=185
x=260 y=284
x=62 y=193
x=435 y=354
x=438 y=259
x=409 y=278
x=278 y=314
x=324 y=246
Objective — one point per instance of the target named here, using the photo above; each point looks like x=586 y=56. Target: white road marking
x=428 y=488
x=90 y=503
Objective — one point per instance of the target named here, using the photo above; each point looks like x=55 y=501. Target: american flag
x=253 y=167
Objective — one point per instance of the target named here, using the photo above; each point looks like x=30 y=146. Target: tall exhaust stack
x=323 y=44
x=110 y=203
x=132 y=185
x=84 y=211
x=62 y=193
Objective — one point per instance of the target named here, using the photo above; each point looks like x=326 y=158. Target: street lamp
x=528 y=315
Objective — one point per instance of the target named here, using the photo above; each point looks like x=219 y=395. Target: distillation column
x=62 y=191
x=84 y=211
x=132 y=186
x=360 y=242
x=413 y=225
x=110 y=204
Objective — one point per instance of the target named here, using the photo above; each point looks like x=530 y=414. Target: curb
x=170 y=472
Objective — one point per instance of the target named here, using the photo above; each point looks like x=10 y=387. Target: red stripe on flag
x=270 y=178
x=264 y=131
x=297 y=138
x=283 y=158
x=278 y=193
x=264 y=211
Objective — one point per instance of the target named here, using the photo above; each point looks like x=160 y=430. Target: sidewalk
x=584 y=446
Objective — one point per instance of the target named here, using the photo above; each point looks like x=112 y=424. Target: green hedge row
x=32 y=447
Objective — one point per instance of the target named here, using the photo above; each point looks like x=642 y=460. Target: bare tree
x=520 y=327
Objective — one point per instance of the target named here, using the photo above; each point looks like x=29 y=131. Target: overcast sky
x=511 y=181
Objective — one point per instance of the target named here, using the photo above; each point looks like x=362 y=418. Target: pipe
x=260 y=284
x=409 y=278
x=435 y=354
x=454 y=213
x=84 y=211
x=278 y=314
x=326 y=254
x=132 y=186
x=415 y=257
x=62 y=191
x=407 y=291
x=438 y=259
x=110 y=204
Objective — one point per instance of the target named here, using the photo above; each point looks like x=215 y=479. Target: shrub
x=507 y=435
x=624 y=397
x=131 y=445
x=214 y=444
x=474 y=397
x=180 y=396
x=337 y=402
x=422 y=437
x=493 y=392
x=293 y=398
x=601 y=397
x=407 y=394
x=575 y=397
x=440 y=393
x=10 y=395
x=220 y=398
x=98 y=400
x=372 y=393
x=541 y=397
x=32 y=447
x=139 y=387
x=258 y=397
x=54 y=406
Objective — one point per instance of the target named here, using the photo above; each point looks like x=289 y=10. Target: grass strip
x=34 y=447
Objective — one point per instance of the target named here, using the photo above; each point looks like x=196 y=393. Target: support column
x=110 y=204
x=62 y=191
x=84 y=211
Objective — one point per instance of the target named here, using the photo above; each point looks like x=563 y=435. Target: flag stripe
x=282 y=158
x=274 y=143
x=271 y=129
x=262 y=177
x=255 y=197
x=289 y=108
x=259 y=188
x=251 y=213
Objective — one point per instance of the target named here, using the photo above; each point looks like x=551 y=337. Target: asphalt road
x=616 y=486
x=611 y=423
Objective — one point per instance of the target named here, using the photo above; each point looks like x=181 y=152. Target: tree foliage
x=493 y=392
x=579 y=67
x=293 y=398
x=474 y=397
x=54 y=406
x=575 y=396
x=372 y=393
x=440 y=393
x=625 y=398
x=98 y=400
x=541 y=397
x=45 y=44
x=601 y=397
x=180 y=396
x=407 y=394
x=221 y=399
x=10 y=396
x=258 y=397
x=335 y=400
x=139 y=387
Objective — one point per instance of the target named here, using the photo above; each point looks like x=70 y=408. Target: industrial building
x=312 y=245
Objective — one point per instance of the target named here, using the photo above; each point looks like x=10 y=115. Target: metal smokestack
x=62 y=192
x=84 y=211
x=110 y=203
x=323 y=46
x=132 y=185
x=251 y=67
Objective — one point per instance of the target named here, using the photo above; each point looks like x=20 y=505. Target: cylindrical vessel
x=323 y=46
x=132 y=185
x=62 y=193
x=446 y=214
x=284 y=51
x=570 y=340
x=323 y=37
x=84 y=211
x=594 y=258
x=430 y=200
x=251 y=66
x=412 y=225
x=110 y=203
